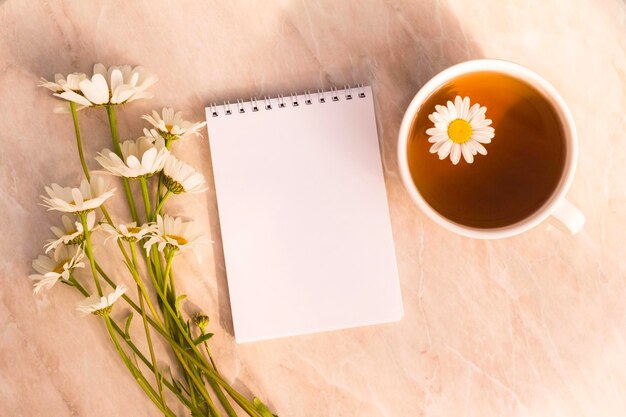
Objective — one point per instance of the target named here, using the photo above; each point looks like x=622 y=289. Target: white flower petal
x=455 y=153
x=452 y=110
x=436 y=146
x=466 y=150
x=75 y=97
x=444 y=150
x=95 y=90
x=479 y=148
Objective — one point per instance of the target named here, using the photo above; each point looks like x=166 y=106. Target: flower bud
x=201 y=320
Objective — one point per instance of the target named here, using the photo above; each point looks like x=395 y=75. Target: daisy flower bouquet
x=148 y=242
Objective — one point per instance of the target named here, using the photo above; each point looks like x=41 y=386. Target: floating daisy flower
x=180 y=177
x=72 y=232
x=55 y=267
x=87 y=197
x=460 y=130
x=129 y=232
x=171 y=125
x=174 y=233
x=140 y=158
x=101 y=305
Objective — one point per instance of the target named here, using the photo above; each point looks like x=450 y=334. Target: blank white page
x=304 y=216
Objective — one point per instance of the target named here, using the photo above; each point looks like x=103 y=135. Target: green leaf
x=203 y=338
x=127 y=326
x=262 y=408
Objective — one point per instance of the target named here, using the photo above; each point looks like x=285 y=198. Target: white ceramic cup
x=557 y=206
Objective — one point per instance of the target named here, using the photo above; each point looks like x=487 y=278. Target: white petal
x=75 y=97
x=96 y=90
x=465 y=108
x=479 y=148
x=455 y=153
x=116 y=79
x=435 y=148
x=443 y=111
x=452 y=111
x=444 y=151
x=478 y=115
x=458 y=105
x=122 y=94
x=472 y=111
x=438 y=138
x=467 y=153
x=434 y=131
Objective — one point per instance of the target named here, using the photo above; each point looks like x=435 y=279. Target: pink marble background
x=529 y=326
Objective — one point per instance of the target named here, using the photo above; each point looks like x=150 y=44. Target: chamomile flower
x=171 y=125
x=129 y=232
x=179 y=177
x=460 y=130
x=173 y=233
x=87 y=197
x=72 y=232
x=57 y=266
x=115 y=85
x=101 y=305
x=140 y=158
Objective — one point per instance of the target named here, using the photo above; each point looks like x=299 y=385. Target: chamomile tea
x=524 y=160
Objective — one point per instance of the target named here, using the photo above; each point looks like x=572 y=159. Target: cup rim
x=526 y=75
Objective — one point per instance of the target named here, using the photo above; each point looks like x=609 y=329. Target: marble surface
x=528 y=326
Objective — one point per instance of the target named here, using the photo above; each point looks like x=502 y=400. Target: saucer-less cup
x=556 y=205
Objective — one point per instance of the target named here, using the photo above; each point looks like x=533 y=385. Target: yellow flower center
x=59 y=268
x=459 y=131
x=134 y=229
x=179 y=239
x=169 y=128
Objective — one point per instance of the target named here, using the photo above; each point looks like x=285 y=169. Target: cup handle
x=569 y=216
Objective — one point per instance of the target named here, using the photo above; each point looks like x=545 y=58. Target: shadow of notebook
x=304 y=216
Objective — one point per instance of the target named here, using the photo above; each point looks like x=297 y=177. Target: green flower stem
x=135 y=274
x=222 y=398
x=79 y=287
x=79 y=143
x=155 y=368
x=215 y=386
x=201 y=389
x=89 y=250
x=115 y=137
x=194 y=356
x=208 y=352
x=146 y=362
x=156 y=262
x=158 y=193
x=168 y=268
x=142 y=294
x=157 y=211
x=136 y=350
x=81 y=155
x=146 y=197
x=141 y=380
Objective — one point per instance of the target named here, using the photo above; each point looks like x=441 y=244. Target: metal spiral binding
x=227 y=110
x=280 y=102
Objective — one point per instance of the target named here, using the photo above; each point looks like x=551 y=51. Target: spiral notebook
x=303 y=213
